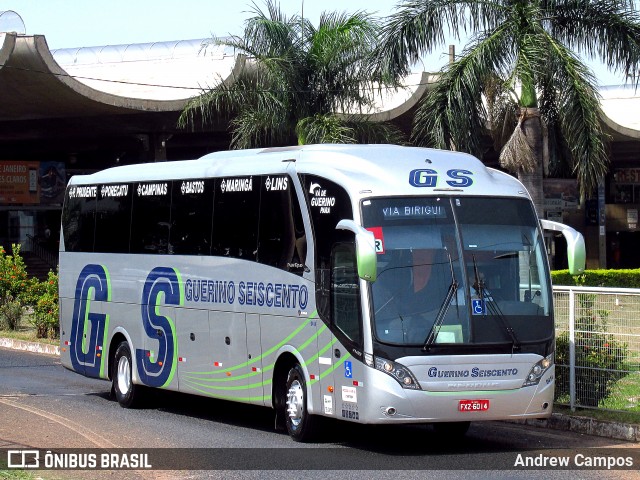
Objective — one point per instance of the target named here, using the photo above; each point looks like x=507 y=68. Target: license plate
x=473 y=405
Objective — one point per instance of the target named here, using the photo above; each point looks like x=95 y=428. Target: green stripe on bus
x=229 y=387
x=263 y=355
x=102 y=352
x=321 y=351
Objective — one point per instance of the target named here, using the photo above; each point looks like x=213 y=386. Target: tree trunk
x=532 y=128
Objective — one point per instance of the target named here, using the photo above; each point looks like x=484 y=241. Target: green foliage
x=45 y=311
x=13 y=285
x=33 y=290
x=13 y=275
x=533 y=51
x=18 y=292
x=10 y=313
x=600 y=359
x=14 y=474
x=629 y=278
x=296 y=82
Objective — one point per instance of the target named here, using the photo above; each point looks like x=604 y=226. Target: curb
x=557 y=421
x=35 y=347
x=587 y=426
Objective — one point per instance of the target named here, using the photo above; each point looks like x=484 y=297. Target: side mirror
x=576 y=253
x=365 y=249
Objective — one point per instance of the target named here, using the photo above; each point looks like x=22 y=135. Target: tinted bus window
x=328 y=204
x=113 y=218
x=78 y=218
x=191 y=217
x=151 y=217
x=236 y=213
x=282 y=242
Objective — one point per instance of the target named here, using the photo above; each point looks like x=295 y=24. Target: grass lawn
x=606 y=415
x=15 y=475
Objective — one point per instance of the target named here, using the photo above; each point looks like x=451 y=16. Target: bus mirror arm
x=576 y=253
x=365 y=249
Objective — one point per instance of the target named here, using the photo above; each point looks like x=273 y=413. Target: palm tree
x=519 y=73
x=297 y=83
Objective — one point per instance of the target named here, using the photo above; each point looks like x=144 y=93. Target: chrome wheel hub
x=124 y=375
x=295 y=402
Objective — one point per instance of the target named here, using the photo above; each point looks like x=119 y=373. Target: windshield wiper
x=492 y=306
x=442 y=311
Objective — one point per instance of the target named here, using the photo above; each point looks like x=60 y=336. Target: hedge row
x=627 y=278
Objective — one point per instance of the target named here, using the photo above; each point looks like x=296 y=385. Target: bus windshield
x=467 y=270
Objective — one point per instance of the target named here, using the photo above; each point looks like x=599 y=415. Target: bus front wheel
x=127 y=393
x=300 y=423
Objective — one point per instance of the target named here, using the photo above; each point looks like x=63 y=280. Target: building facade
x=70 y=111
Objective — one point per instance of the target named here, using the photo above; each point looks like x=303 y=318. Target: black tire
x=126 y=392
x=451 y=430
x=301 y=425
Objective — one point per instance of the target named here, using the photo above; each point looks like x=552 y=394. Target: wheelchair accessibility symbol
x=478 y=306
x=348 y=372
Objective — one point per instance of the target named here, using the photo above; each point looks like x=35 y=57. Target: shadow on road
x=388 y=439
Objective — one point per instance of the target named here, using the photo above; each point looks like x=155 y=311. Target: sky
x=88 y=23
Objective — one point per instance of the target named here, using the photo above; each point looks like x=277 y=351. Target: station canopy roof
x=39 y=83
x=138 y=82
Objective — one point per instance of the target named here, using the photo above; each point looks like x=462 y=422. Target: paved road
x=44 y=406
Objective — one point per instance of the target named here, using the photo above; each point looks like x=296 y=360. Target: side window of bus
x=191 y=217
x=328 y=203
x=236 y=211
x=113 y=218
x=282 y=242
x=150 y=217
x=345 y=291
x=78 y=220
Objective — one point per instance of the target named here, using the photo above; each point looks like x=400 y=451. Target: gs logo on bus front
x=427 y=177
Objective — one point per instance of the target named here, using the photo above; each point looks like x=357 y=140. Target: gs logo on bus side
x=158 y=370
x=427 y=177
x=89 y=330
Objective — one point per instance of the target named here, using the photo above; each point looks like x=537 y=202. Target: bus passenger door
x=194 y=354
x=346 y=319
x=337 y=296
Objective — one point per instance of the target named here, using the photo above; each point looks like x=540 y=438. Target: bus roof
x=364 y=170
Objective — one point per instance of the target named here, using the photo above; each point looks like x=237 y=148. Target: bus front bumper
x=387 y=402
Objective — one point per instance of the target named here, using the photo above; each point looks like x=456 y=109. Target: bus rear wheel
x=300 y=423
x=127 y=393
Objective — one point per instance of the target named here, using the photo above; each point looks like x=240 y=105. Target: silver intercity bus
x=375 y=284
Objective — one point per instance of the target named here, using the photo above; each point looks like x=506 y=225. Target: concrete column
x=602 y=226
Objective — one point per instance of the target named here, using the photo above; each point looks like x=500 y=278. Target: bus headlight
x=399 y=372
x=537 y=371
